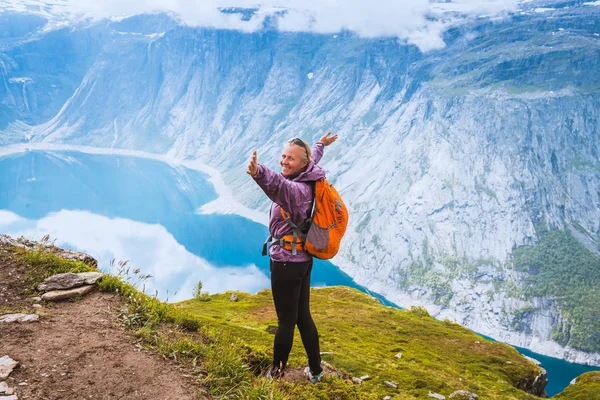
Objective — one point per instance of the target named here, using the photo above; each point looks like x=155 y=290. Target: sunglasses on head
x=300 y=142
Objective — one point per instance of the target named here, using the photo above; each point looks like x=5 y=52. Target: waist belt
x=288 y=242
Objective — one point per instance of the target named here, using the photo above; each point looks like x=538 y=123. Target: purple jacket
x=295 y=196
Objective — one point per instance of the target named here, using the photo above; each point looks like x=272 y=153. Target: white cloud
x=148 y=247
x=420 y=22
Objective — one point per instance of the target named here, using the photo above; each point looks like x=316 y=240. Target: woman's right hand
x=327 y=140
x=253 y=165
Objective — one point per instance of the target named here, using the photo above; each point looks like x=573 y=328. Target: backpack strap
x=288 y=242
x=298 y=237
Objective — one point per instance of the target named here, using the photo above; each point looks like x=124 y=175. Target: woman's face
x=292 y=160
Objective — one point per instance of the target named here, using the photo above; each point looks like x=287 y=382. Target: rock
x=533 y=360
x=389 y=384
x=537 y=387
x=36 y=305
x=58 y=295
x=356 y=380
x=234 y=297
x=436 y=396
x=464 y=395
x=91 y=278
x=365 y=378
x=325 y=352
x=573 y=381
x=61 y=281
x=36 y=299
x=387 y=398
x=399 y=355
x=3 y=387
x=7 y=365
x=12 y=397
x=19 y=318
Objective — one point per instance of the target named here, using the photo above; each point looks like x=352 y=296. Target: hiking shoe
x=313 y=378
x=274 y=372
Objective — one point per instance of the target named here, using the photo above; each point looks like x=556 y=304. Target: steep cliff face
x=449 y=160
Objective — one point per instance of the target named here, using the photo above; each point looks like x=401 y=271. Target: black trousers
x=290 y=283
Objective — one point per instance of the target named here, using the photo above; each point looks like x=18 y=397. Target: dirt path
x=78 y=351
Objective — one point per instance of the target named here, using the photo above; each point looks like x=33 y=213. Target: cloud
x=174 y=270
x=420 y=22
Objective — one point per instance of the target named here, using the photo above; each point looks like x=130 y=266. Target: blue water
x=145 y=211
x=85 y=201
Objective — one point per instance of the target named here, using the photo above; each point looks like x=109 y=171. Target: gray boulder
x=7 y=365
x=19 y=318
x=61 y=281
x=91 y=278
x=58 y=295
x=464 y=395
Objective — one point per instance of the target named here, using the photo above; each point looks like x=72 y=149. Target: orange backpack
x=327 y=224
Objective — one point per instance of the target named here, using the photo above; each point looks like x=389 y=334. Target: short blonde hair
x=303 y=145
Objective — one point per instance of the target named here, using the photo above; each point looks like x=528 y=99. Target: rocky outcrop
x=535 y=386
x=48 y=248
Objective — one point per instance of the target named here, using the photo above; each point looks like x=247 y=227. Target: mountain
x=471 y=172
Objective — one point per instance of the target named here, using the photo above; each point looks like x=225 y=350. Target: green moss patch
x=367 y=338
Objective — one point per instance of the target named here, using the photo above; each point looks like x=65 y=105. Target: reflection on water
x=140 y=210
x=175 y=271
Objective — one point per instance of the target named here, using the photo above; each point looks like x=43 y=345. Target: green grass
x=365 y=336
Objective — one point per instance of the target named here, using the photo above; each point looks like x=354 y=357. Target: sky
x=419 y=22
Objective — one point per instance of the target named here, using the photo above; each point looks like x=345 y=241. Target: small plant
x=420 y=311
x=198 y=294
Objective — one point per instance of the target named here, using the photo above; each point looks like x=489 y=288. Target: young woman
x=291 y=192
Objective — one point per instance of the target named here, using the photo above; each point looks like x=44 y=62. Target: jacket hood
x=312 y=173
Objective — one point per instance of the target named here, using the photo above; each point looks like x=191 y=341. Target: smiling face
x=293 y=160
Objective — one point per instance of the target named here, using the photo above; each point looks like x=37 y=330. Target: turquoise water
x=145 y=211
x=86 y=201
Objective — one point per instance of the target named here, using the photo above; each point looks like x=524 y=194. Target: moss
x=587 y=387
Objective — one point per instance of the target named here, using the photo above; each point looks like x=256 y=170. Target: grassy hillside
x=365 y=338
x=227 y=345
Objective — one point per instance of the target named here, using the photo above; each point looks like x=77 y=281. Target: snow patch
x=20 y=80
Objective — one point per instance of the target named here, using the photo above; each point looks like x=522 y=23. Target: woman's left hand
x=253 y=165
x=327 y=140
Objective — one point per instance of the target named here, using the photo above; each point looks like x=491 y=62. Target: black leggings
x=290 y=283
